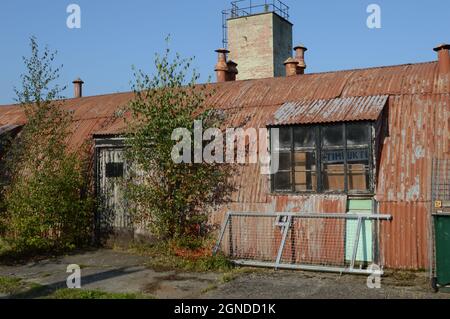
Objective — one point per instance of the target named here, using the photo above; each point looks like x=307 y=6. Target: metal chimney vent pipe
x=443 y=58
x=78 y=88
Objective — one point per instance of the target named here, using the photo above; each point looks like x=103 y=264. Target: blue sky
x=117 y=34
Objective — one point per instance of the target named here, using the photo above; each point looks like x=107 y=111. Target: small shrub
x=46 y=211
x=173 y=197
x=189 y=242
x=46 y=205
x=217 y=263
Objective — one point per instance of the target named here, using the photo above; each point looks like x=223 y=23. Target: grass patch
x=167 y=256
x=209 y=288
x=404 y=278
x=13 y=286
x=20 y=289
x=10 y=285
x=237 y=272
x=94 y=294
x=231 y=275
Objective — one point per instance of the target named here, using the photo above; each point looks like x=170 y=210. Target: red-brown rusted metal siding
x=404 y=241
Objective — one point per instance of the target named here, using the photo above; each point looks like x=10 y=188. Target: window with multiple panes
x=323 y=158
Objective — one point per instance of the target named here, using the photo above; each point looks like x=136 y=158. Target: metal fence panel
x=299 y=241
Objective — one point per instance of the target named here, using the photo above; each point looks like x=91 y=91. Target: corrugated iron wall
x=404 y=240
x=418 y=131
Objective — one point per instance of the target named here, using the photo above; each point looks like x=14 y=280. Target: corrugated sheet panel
x=367 y=108
x=285 y=203
x=418 y=131
x=404 y=240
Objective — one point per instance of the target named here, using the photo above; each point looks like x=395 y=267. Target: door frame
x=102 y=142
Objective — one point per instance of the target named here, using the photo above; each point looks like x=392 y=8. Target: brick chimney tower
x=259 y=39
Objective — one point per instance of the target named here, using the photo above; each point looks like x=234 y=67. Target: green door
x=365 y=244
x=442 y=224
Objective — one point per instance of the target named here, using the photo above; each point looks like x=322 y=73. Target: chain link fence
x=343 y=243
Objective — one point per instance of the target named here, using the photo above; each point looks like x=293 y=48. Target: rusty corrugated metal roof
x=419 y=78
x=327 y=111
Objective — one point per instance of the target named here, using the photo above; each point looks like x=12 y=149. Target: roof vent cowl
x=300 y=57
x=443 y=51
x=78 y=88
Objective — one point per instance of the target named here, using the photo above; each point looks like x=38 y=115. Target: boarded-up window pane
x=358 y=177
x=333 y=177
x=305 y=171
x=358 y=169
x=305 y=181
x=305 y=160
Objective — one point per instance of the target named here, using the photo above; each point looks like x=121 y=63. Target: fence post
x=222 y=233
x=356 y=244
x=286 y=227
x=230 y=231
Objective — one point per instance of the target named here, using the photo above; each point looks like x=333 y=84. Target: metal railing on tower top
x=243 y=8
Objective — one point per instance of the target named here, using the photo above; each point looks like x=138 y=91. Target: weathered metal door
x=113 y=214
x=441 y=220
x=365 y=242
x=442 y=230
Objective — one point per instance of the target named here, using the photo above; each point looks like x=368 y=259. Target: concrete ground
x=119 y=272
x=310 y=285
x=115 y=272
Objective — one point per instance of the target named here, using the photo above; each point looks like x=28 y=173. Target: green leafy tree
x=173 y=199
x=47 y=203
